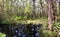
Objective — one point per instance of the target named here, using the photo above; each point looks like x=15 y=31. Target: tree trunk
x=50 y=14
x=33 y=14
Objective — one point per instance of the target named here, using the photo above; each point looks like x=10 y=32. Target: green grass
x=35 y=21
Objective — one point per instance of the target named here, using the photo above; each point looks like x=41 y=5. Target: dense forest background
x=45 y=12
x=16 y=10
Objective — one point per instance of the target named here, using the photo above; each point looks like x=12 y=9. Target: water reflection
x=23 y=31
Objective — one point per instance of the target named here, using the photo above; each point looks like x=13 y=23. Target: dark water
x=20 y=30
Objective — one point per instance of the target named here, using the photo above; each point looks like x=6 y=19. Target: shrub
x=47 y=33
x=2 y=35
x=56 y=26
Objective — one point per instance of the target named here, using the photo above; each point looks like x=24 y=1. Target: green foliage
x=47 y=33
x=56 y=26
x=17 y=17
x=2 y=35
x=25 y=17
x=28 y=9
x=13 y=19
x=8 y=20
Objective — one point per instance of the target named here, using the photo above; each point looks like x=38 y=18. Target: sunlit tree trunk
x=50 y=14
